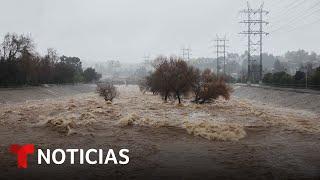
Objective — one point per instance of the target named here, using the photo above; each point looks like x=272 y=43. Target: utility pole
x=218 y=66
x=224 y=56
x=221 y=44
x=251 y=23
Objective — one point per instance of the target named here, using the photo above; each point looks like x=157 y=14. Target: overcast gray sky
x=126 y=30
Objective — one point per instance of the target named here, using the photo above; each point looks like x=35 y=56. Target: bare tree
x=14 y=45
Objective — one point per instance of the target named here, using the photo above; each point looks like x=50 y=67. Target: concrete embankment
x=285 y=98
x=12 y=95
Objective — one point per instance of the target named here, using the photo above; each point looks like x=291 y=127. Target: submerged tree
x=107 y=90
x=208 y=87
x=173 y=77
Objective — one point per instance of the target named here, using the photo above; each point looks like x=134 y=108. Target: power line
x=290 y=23
x=275 y=3
x=304 y=25
x=299 y=16
x=287 y=10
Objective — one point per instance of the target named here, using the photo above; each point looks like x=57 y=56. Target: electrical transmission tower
x=146 y=58
x=254 y=21
x=221 y=44
x=186 y=53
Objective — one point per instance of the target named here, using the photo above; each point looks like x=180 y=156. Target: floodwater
x=239 y=138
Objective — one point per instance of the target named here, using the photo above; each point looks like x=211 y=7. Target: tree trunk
x=203 y=101
x=196 y=99
x=166 y=97
x=178 y=95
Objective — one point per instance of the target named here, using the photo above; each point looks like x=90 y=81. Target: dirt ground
x=236 y=139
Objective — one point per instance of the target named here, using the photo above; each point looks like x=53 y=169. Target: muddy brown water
x=278 y=143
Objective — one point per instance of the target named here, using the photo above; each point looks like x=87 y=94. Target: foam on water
x=207 y=129
x=221 y=120
x=215 y=131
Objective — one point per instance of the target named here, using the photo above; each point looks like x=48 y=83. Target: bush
x=300 y=77
x=315 y=79
x=268 y=78
x=298 y=80
x=209 y=87
x=143 y=86
x=279 y=78
x=107 y=90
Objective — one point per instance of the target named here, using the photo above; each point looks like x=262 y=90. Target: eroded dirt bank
x=227 y=139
